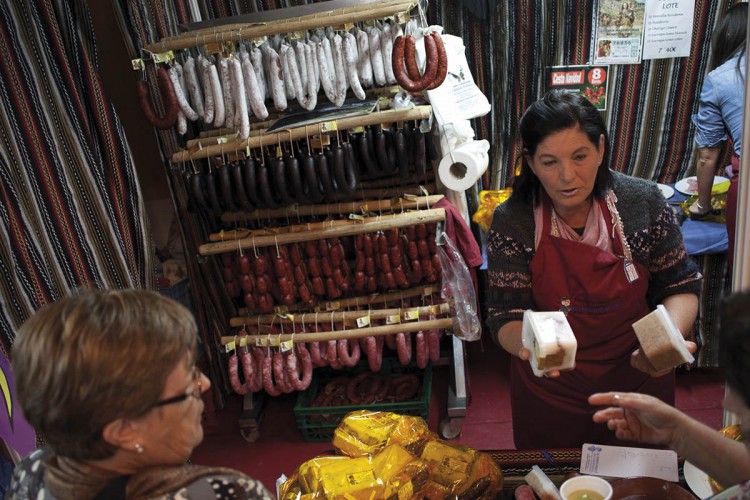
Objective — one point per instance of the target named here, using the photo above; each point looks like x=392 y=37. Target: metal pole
x=740 y=263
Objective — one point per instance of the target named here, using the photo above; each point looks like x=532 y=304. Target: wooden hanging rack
x=369 y=300
x=331 y=126
x=366 y=225
x=287 y=21
x=310 y=318
x=357 y=333
x=353 y=207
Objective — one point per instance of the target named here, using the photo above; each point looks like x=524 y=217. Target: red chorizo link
x=234 y=375
x=279 y=373
x=430 y=70
x=269 y=385
x=374 y=352
x=403 y=347
x=367 y=245
x=422 y=353
x=250 y=301
x=318 y=286
x=442 y=59
x=169 y=101
x=349 y=352
x=256 y=383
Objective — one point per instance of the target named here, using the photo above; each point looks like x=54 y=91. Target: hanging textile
x=71 y=213
x=649 y=104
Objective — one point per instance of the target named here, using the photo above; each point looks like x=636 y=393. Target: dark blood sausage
x=169 y=100
x=238 y=184
x=324 y=174
x=442 y=57
x=225 y=187
x=343 y=171
x=310 y=184
x=264 y=187
x=251 y=184
x=213 y=195
x=280 y=182
x=295 y=176
x=197 y=189
x=381 y=152
x=430 y=70
x=420 y=153
x=365 y=156
x=402 y=155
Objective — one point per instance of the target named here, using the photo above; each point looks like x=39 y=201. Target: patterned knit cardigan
x=651 y=230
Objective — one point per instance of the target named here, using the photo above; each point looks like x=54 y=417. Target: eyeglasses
x=197 y=376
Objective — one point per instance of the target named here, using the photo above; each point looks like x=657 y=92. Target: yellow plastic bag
x=488 y=201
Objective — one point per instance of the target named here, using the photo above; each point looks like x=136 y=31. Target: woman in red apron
x=600 y=246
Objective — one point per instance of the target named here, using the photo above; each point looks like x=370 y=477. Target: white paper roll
x=461 y=168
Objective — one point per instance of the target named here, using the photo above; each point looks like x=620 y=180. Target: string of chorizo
x=406 y=44
x=168 y=98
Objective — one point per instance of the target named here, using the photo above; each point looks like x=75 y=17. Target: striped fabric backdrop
x=71 y=213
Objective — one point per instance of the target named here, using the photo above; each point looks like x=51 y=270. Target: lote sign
x=590 y=81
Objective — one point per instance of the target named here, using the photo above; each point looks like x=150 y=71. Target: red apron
x=602 y=305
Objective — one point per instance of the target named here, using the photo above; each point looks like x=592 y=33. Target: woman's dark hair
x=559 y=110
x=734 y=343
x=729 y=35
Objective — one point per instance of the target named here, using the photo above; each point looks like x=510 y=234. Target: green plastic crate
x=317 y=423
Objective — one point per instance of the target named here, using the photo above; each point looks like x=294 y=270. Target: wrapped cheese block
x=404 y=474
x=364 y=432
x=661 y=340
x=550 y=341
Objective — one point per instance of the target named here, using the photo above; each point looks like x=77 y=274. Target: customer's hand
x=637 y=417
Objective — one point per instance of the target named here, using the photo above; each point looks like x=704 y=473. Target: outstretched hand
x=639 y=361
x=637 y=417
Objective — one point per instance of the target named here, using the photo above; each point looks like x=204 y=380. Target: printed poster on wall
x=668 y=28
x=619 y=32
x=590 y=81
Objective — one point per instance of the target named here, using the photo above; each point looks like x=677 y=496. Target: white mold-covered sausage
x=326 y=77
x=202 y=65
x=256 y=57
x=252 y=89
x=350 y=62
x=275 y=76
x=242 y=118
x=179 y=92
x=340 y=72
x=226 y=89
x=364 y=65
x=376 y=57
x=386 y=47
x=193 y=85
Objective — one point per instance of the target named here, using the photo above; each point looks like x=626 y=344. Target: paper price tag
x=333 y=306
x=411 y=315
x=394 y=319
x=363 y=321
x=261 y=342
x=230 y=347
x=287 y=345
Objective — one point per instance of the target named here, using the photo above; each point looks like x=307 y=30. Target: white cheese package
x=550 y=340
x=661 y=340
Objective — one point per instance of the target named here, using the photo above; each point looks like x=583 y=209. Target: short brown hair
x=93 y=357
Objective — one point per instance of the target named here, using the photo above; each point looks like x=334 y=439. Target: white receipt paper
x=623 y=461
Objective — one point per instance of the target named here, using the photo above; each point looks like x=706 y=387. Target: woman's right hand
x=637 y=417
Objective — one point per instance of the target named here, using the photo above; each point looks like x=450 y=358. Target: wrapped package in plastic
x=412 y=434
x=309 y=475
x=460 y=471
x=353 y=478
x=364 y=432
x=404 y=474
x=458 y=291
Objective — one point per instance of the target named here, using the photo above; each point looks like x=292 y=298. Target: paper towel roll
x=461 y=168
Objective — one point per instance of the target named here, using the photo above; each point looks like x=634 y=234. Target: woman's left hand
x=639 y=361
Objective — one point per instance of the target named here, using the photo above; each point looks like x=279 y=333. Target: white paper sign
x=668 y=28
x=622 y=461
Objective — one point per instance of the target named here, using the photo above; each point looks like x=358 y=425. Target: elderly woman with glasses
x=109 y=382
